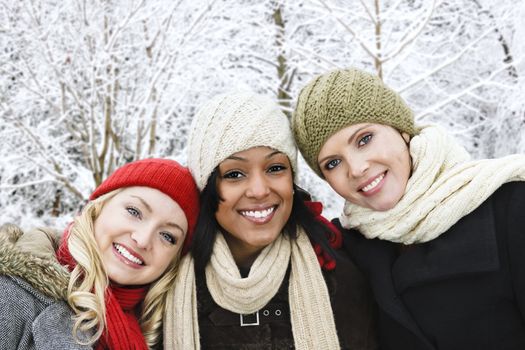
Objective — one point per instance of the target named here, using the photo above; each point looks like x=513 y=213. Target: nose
x=358 y=166
x=258 y=186
x=143 y=237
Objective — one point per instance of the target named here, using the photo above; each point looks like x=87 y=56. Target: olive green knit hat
x=337 y=99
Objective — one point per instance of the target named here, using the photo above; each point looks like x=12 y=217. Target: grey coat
x=33 y=313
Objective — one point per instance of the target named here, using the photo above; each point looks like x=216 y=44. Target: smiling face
x=256 y=188
x=139 y=232
x=367 y=164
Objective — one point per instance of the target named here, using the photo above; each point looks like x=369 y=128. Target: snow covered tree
x=88 y=86
x=91 y=86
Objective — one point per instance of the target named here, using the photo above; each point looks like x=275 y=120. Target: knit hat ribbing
x=232 y=123
x=337 y=99
x=165 y=175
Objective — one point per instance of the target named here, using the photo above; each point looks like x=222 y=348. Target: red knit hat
x=165 y=175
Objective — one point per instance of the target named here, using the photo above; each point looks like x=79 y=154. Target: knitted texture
x=165 y=175
x=313 y=324
x=444 y=187
x=246 y=295
x=232 y=123
x=333 y=235
x=123 y=328
x=335 y=100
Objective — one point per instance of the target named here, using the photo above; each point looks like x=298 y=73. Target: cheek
x=223 y=215
x=288 y=203
x=336 y=180
x=219 y=214
x=230 y=193
x=287 y=191
x=404 y=162
x=166 y=260
x=98 y=229
x=403 y=165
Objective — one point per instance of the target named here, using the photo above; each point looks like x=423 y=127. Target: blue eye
x=364 y=140
x=332 y=164
x=168 y=237
x=234 y=174
x=134 y=212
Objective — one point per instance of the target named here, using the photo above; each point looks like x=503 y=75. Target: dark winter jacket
x=463 y=290
x=351 y=301
x=33 y=313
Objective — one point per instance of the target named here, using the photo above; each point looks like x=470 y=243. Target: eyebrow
x=175 y=226
x=143 y=202
x=171 y=224
x=348 y=142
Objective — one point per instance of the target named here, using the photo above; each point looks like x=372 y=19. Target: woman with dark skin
x=265 y=270
x=440 y=237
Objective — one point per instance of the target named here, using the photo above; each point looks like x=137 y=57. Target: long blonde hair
x=89 y=280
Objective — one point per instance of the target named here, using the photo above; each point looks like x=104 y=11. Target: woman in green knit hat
x=440 y=237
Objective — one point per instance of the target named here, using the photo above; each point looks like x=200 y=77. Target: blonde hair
x=89 y=280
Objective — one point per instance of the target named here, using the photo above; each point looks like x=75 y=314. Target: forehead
x=148 y=195
x=348 y=134
x=137 y=191
x=255 y=154
x=343 y=134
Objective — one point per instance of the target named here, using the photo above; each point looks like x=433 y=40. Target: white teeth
x=125 y=253
x=373 y=184
x=258 y=214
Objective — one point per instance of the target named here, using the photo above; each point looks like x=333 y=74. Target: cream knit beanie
x=232 y=123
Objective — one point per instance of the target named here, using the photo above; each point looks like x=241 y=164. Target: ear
x=405 y=137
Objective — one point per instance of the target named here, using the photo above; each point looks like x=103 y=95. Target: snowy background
x=86 y=86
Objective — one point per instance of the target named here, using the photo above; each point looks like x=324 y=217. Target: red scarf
x=122 y=330
x=335 y=239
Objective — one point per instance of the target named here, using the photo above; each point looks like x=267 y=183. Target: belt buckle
x=247 y=323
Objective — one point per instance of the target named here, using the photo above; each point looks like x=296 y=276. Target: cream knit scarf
x=312 y=319
x=444 y=187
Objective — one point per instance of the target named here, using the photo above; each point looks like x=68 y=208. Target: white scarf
x=444 y=187
x=311 y=313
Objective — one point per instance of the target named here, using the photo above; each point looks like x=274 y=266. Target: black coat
x=462 y=290
x=351 y=300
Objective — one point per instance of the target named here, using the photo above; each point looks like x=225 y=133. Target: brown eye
x=276 y=168
x=234 y=174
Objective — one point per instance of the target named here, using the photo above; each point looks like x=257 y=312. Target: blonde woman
x=115 y=263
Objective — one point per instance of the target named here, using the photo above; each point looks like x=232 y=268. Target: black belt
x=277 y=312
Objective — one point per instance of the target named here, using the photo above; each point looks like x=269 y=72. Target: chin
x=382 y=206
x=264 y=241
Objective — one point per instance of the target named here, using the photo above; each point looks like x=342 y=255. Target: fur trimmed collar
x=21 y=256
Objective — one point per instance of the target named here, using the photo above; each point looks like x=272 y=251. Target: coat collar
x=43 y=273
x=375 y=258
x=467 y=247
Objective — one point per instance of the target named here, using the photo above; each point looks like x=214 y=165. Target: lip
x=259 y=220
x=376 y=189
x=125 y=260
